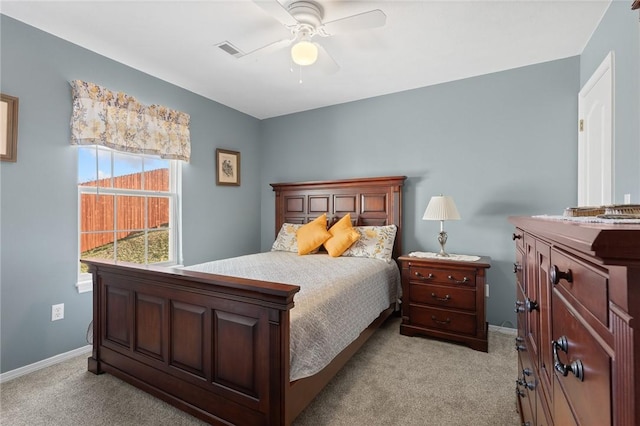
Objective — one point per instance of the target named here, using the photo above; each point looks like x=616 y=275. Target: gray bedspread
x=339 y=297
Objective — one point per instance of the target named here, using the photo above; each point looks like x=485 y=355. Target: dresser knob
x=523 y=381
x=521 y=348
x=532 y=305
x=516 y=236
x=555 y=275
x=517 y=267
x=519 y=308
x=519 y=339
x=519 y=392
x=575 y=367
x=525 y=384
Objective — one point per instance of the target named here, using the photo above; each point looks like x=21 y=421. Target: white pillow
x=286 y=239
x=375 y=241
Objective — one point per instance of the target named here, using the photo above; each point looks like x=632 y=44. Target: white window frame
x=85 y=283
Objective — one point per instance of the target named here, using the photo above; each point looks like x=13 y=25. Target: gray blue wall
x=619 y=31
x=501 y=144
x=38 y=222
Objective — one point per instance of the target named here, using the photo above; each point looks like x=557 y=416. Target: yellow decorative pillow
x=311 y=235
x=342 y=237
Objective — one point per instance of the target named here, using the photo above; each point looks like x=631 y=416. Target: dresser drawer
x=562 y=414
x=444 y=296
x=440 y=319
x=454 y=276
x=589 y=399
x=585 y=284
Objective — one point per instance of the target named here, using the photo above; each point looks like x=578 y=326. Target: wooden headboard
x=370 y=201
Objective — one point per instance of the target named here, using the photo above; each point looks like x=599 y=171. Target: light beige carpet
x=392 y=380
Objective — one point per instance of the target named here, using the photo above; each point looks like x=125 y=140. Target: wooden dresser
x=578 y=305
x=445 y=299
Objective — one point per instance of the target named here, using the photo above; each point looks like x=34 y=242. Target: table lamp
x=441 y=207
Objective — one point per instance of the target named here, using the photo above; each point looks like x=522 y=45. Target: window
x=128 y=209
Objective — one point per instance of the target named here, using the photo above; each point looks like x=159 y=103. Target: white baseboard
x=10 y=375
x=504 y=330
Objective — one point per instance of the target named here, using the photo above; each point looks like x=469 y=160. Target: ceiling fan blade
x=264 y=50
x=361 y=21
x=325 y=61
x=275 y=9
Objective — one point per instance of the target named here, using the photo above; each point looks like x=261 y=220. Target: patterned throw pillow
x=375 y=241
x=286 y=239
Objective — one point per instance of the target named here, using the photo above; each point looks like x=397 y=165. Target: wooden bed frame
x=216 y=346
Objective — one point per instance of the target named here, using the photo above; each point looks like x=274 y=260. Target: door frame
x=606 y=65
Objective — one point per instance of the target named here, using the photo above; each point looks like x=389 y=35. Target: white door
x=595 y=137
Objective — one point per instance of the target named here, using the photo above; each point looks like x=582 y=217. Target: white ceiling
x=424 y=42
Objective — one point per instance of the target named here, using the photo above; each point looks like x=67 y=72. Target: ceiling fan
x=304 y=19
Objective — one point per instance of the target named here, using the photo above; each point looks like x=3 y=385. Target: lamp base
x=442 y=239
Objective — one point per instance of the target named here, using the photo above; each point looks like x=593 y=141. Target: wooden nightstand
x=445 y=299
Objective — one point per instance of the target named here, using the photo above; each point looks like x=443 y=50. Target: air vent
x=230 y=49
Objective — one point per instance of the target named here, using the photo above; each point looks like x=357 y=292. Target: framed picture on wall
x=8 y=128
x=227 y=167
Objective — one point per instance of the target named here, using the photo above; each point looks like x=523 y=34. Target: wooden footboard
x=214 y=346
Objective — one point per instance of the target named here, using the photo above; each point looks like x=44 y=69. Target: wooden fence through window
x=97 y=212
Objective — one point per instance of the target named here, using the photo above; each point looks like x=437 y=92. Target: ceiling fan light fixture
x=304 y=53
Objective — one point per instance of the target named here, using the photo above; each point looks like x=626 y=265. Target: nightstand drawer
x=441 y=319
x=444 y=296
x=430 y=275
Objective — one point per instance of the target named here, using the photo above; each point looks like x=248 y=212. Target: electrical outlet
x=627 y=198
x=57 y=312
x=486 y=290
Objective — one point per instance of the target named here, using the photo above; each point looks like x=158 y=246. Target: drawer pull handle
x=532 y=305
x=519 y=392
x=575 y=367
x=516 y=236
x=517 y=267
x=519 y=308
x=555 y=275
x=422 y=277
x=523 y=382
x=521 y=348
x=519 y=339
x=446 y=298
x=464 y=280
x=447 y=321
x=529 y=385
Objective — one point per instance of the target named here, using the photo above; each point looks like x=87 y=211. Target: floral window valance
x=118 y=121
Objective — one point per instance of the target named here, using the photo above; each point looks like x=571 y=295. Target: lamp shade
x=304 y=53
x=441 y=207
